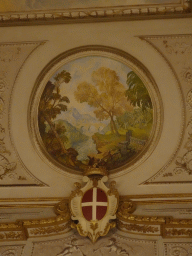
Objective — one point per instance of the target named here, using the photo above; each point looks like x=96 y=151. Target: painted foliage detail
x=95 y=111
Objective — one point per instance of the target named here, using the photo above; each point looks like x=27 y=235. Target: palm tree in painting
x=137 y=93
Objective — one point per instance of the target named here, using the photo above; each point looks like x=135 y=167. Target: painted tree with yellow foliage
x=106 y=95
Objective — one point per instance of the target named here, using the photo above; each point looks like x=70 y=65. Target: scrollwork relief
x=181 y=232
x=12 y=59
x=176 y=50
x=6 y=167
x=9 y=253
x=12 y=235
x=177 y=47
x=126 y=207
x=62 y=208
x=186 y=74
x=3 y=86
x=11 y=55
x=11 y=250
x=3 y=81
x=145 y=229
x=189 y=102
x=184 y=163
x=178 y=251
x=50 y=230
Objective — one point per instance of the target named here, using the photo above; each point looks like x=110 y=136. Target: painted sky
x=26 y=5
x=81 y=70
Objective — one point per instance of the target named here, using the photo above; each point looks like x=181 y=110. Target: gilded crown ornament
x=96 y=170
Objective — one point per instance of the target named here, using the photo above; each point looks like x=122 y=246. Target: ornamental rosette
x=187 y=75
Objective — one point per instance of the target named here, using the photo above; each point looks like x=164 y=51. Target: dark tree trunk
x=112 y=129
x=56 y=134
x=114 y=126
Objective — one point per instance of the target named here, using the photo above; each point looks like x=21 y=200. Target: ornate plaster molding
x=24 y=229
x=114 y=244
x=143 y=11
x=181 y=249
x=12 y=58
x=127 y=222
x=165 y=226
x=13 y=250
x=176 y=51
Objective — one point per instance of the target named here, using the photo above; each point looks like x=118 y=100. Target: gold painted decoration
x=51 y=230
x=137 y=228
x=93 y=207
x=126 y=207
x=62 y=208
x=12 y=236
x=126 y=218
x=178 y=232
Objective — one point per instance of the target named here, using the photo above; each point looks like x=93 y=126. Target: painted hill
x=85 y=123
x=73 y=116
x=72 y=133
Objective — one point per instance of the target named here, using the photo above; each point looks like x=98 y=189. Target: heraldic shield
x=93 y=207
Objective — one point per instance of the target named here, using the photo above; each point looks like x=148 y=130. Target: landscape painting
x=95 y=111
x=30 y=5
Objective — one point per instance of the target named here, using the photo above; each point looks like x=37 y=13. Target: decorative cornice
x=24 y=229
x=127 y=221
x=164 y=226
x=144 y=196
x=97 y=14
x=122 y=197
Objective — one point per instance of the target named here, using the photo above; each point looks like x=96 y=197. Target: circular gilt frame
x=102 y=51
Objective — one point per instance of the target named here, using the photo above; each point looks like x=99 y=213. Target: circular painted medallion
x=96 y=109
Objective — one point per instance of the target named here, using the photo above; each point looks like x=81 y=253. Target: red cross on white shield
x=94 y=204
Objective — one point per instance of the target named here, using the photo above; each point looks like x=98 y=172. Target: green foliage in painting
x=51 y=104
x=138 y=119
x=137 y=93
